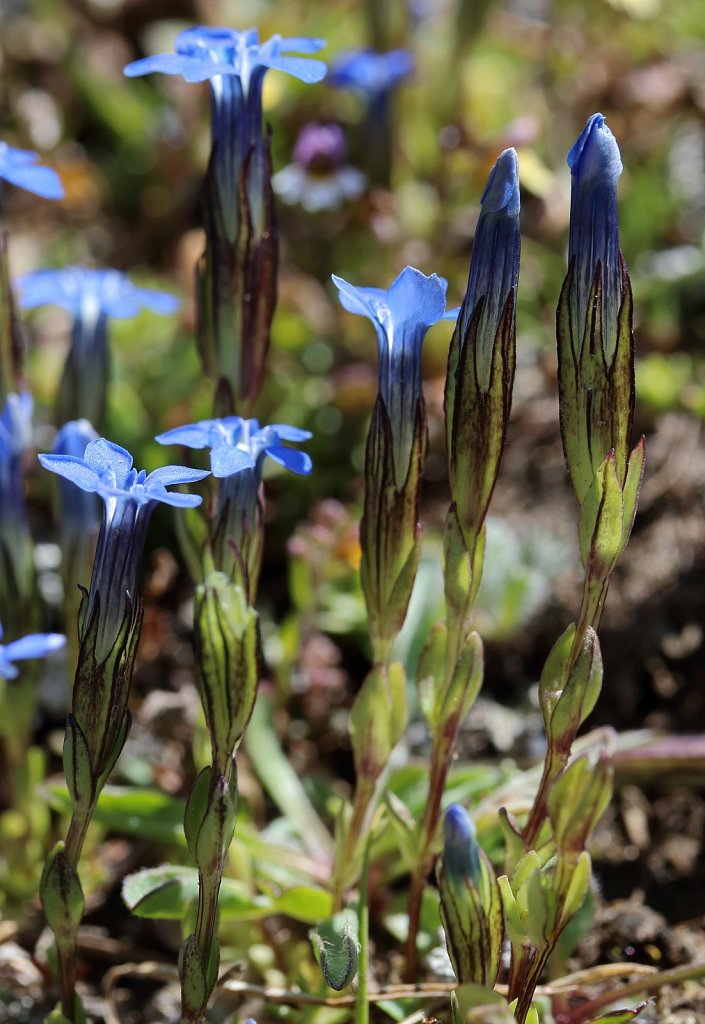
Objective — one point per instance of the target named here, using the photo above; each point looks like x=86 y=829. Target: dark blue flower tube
x=16 y=559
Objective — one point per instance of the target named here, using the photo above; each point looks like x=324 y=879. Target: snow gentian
x=129 y=499
x=390 y=535
x=239 y=448
x=369 y=72
x=401 y=315
x=481 y=359
x=594 y=323
x=460 y=850
x=36 y=645
x=236 y=288
x=374 y=76
x=234 y=64
x=21 y=167
x=16 y=565
x=471 y=904
x=595 y=166
x=93 y=297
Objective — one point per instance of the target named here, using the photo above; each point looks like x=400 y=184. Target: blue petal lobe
x=72 y=468
x=294 y=460
x=227 y=459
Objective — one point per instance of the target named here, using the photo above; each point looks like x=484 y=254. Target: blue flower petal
x=291 y=458
x=413 y=296
x=288 y=433
x=354 y=299
x=192 y=69
x=72 y=468
x=302 y=44
x=166 y=476
x=193 y=435
x=226 y=460
x=35 y=645
x=105 y=457
x=304 y=69
x=451 y=314
x=21 y=167
x=175 y=499
x=42 y=181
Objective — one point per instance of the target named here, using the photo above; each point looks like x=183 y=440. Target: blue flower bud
x=595 y=166
x=461 y=856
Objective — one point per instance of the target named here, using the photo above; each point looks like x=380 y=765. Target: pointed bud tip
x=460 y=850
x=502 y=191
x=595 y=153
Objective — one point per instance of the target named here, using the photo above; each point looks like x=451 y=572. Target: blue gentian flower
x=237 y=444
x=494 y=270
x=461 y=857
x=90 y=294
x=36 y=645
x=401 y=316
x=374 y=76
x=595 y=166
x=93 y=297
x=370 y=72
x=238 y=451
x=129 y=499
x=234 y=64
x=237 y=276
x=21 y=168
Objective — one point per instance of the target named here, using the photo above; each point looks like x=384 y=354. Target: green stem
x=355 y=833
x=441 y=752
x=443 y=744
x=362 y=1004
x=591 y=605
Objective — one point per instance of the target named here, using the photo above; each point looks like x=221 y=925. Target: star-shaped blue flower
x=237 y=444
x=107 y=469
x=129 y=499
x=401 y=315
x=595 y=165
x=203 y=53
x=80 y=291
x=370 y=72
x=35 y=645
x=21 y=167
